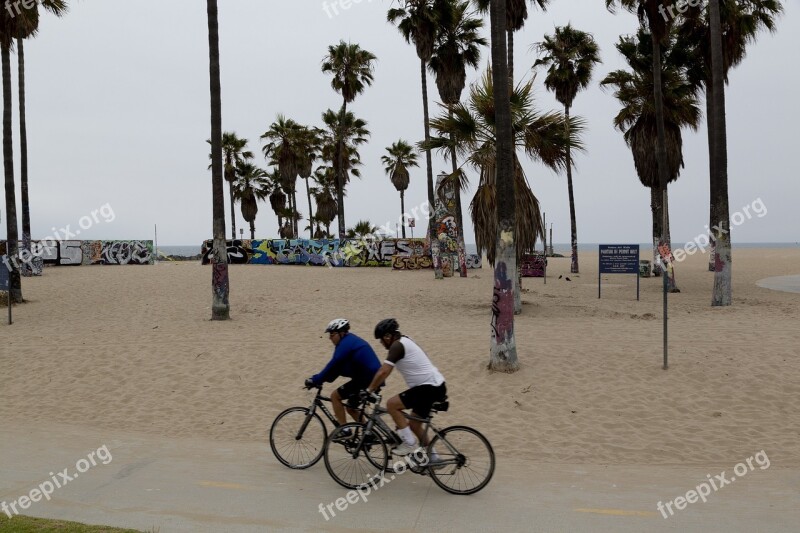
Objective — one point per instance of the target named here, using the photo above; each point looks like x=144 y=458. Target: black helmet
x=386 y=326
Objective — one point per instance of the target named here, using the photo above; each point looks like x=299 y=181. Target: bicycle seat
x=442 y=406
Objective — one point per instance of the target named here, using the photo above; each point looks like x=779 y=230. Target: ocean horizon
x=188 y=250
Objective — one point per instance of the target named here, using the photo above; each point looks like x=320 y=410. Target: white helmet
x=338 y=325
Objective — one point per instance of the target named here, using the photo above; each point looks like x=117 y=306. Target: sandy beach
x=132 y=348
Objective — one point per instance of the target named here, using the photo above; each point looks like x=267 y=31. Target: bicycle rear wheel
x=466 y=460
x=350 y=461
x=297 y=438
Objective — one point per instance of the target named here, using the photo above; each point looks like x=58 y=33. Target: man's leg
x=338 y=407
x=395 y=407
x=419 y=430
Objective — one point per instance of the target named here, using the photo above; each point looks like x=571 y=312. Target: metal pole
x=156 y=237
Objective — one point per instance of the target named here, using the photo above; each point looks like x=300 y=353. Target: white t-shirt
x=413 y=364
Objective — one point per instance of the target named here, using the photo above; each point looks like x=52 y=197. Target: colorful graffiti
x=533 y=265
x=414 y=262
x=502 y=304
x=76 y=253
x=447 y=228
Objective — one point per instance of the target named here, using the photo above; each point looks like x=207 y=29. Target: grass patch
x=26 y=524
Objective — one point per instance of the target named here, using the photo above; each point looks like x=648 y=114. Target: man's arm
x=331 y=370
x=380 y=376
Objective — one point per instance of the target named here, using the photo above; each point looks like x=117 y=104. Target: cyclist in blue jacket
x=352 y=358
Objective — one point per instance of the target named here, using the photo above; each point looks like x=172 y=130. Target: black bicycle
x=298 y=435
x=357 y=454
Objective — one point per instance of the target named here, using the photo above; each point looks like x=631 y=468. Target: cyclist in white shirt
x=425 y=384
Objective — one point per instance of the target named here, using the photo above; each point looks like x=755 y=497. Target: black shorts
x=420 y=399
x=349 y=392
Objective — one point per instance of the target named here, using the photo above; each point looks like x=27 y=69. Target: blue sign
x=619 y=259
x=4 y=273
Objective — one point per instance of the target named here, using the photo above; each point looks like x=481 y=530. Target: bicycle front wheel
x=352 y=461
x=466 y=460
x=297 y=438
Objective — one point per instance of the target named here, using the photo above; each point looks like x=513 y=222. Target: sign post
x=413 y=247
x=618 y=259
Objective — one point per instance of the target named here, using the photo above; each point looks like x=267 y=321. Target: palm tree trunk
x=310 y=214
x=12 y=231
x=233 y=212
x=27 y=268
x=340 y=173
x=437 y=264
x=573 y=224
x=296 y=212
x=462 y=247
x=220 y=308
x=252 y=230
x=661 y=155
x=510 y=34
x=712 y=169
x=403 y=210
x=722 y=294
x=503 y=345
x=656 y=208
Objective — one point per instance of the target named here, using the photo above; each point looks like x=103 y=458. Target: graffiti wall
x=76 y=253
x=332 y=252
x=532 y=265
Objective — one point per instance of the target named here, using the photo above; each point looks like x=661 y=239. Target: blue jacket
x=353 y=358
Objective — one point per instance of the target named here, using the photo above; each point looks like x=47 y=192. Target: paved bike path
x=167 y=485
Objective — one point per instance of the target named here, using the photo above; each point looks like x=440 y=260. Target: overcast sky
x=118 y=113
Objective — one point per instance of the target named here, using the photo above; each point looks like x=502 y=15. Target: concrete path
x=781 y=283
x=166 y=485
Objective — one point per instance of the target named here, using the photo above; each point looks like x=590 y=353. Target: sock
x=407 y=435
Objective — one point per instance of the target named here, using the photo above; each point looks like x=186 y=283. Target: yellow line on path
x=617 y=512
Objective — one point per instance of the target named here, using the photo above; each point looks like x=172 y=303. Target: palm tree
x=234 y=154
x=419 y=22
x=741 y=22
x=13 y=25
x=637 y=118
x=649 y=15
x=340 y=139
x=251 y=185
x=457 y=47
x=281 y=149
x=541 y=136
x=352 y=69
x=516 y=15
x=502 y=342
x=569 y=55
x=277 y=198
x=57 y=8
x=220 y=308
x=400 y=156
x=325 y=197
x=362 y=229
x=308 y=145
